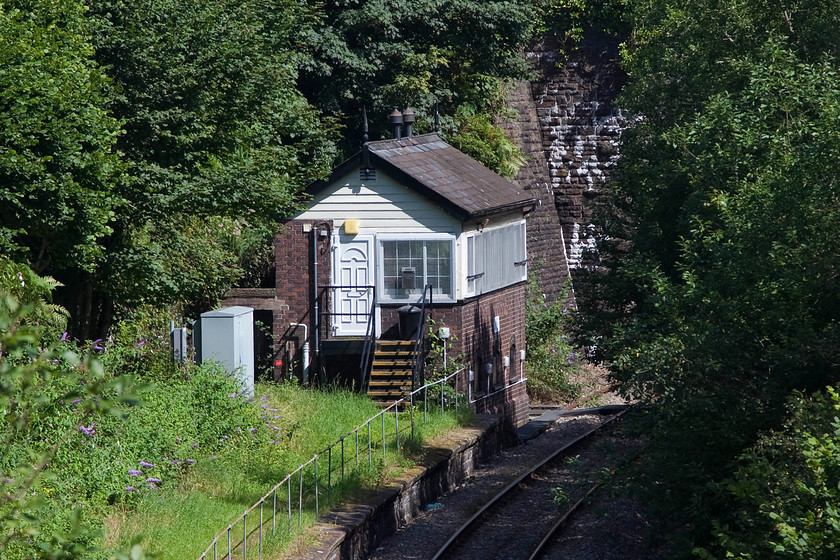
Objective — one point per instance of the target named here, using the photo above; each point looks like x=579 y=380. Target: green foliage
x=383 y=54
x=560 y=497
x=434 y=367
x=217 y=135
x=569 y=19
x=785 y=490
x=58 y=166
x=725 y=299
x=52 y=401
x=552 y=357
x=27 y=288
x=478 y=137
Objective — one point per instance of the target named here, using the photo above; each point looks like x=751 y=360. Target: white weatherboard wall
x=385 y=208
x=227 y=337
x=380 y=206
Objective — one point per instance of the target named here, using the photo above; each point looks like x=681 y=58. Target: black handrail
x=420 y=340
x=332 y=288
x=370 y=335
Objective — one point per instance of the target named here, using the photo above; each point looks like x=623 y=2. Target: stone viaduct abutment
x=567 y=124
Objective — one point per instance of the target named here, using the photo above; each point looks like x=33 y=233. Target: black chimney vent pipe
x=409 y=119
x=396 y=119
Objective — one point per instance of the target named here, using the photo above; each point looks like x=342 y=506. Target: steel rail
x=471 y=522
x=549 y=535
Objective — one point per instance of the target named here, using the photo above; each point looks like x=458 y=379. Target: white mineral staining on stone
x=581 y=244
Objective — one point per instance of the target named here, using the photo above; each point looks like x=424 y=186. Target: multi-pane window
x=409 y=265
x=496 y=258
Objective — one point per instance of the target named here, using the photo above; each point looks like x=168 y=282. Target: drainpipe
x=315 y=311
x=305 y=350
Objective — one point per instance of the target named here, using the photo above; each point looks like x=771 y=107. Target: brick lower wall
x=513 y=403
x=294 y=260
x=477 y=346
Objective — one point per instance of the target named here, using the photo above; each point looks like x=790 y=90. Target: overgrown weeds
x=552 y=359
x=182 y=464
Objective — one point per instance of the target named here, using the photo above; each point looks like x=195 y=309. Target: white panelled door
x=352 y=275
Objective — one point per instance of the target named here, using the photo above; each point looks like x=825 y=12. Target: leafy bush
x=551 y=355
x=785 y=491
x=52 y=401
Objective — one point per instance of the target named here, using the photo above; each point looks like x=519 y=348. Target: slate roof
x=443 y=174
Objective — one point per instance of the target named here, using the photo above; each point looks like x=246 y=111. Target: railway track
x=521 y=520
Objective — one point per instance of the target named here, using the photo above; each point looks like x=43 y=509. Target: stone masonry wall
x=581 y=128
x=546 y=249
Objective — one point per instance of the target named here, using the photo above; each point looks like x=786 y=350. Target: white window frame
x=474 y=265
x=384 y=298
x=509 y=268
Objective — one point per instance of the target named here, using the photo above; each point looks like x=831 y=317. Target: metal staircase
x=392 y=370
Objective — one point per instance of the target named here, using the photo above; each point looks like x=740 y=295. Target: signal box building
x=399 y=216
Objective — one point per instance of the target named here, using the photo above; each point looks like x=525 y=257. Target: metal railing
x=327 y=294
x=370 y=337
x=419 y=350
x=243 y=540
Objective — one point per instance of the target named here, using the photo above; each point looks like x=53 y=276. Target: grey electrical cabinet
x=227 y=337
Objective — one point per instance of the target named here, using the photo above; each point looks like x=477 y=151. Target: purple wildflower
x=232 y=395
x=251 y=429
x=133 y=472
x=88 y=431
x=130 y=489
x=153 y=479
x=191 y=461
x=77 y=401
x=152 y=486
x=264 y=399
x=145 y=464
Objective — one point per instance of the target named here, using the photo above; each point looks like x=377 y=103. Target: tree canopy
x=720 y=289
x=58 y=165
x=149 y=148
x=456 y=55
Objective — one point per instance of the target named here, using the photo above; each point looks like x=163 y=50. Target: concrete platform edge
x=353 y=532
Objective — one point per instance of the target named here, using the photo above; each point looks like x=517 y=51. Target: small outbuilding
x=407 y=221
